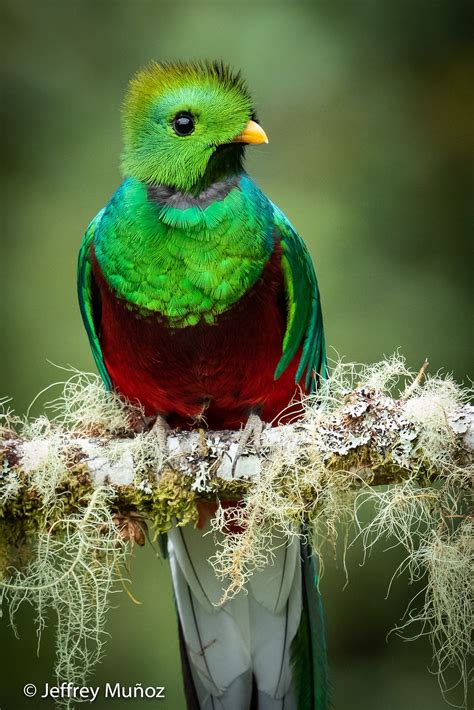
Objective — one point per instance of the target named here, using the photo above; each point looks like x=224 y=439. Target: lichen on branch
x=377 y=435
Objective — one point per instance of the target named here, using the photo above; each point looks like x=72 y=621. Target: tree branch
x=364 y=433
x=87 y=480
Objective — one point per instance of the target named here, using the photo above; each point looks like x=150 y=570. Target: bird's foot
x=252 y=430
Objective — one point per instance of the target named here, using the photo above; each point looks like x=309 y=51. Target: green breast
x=189 y=262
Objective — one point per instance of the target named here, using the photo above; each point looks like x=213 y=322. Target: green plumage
x=152 y=151
x=305 y=320
x=84 y=291
x=308 y=649
x=190 y=264
x=185 y=264
x=193 y=264
x=197 y=294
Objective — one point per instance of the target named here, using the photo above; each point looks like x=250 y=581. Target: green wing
x=87 y=303
x=305 y=320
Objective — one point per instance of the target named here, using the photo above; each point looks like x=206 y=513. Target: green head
x=185 y=125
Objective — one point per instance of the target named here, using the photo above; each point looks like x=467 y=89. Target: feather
x=190 y=692
x=308 y=650
x=224 y=648
x=200 y=300
x=193 y=551
x=88 y=305
x=272 y=634
x=305 y=320
x=216 y=637
x=272 y=585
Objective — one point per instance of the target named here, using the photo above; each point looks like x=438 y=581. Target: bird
x=201 y=303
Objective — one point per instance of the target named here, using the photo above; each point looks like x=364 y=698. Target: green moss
x=24 y=515
x=172 y=499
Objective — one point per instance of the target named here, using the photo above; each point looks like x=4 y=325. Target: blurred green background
x=366 y=105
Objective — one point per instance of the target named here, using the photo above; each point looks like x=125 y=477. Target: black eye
x=183 y=124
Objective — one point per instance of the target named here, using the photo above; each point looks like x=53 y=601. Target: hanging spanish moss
x=79 y=487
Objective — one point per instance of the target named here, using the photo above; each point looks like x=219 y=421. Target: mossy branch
x=356 y=435
x=364 y=433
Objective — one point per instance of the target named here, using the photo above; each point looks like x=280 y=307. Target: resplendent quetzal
x=200 y=301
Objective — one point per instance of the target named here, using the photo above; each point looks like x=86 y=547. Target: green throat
x=185 y=257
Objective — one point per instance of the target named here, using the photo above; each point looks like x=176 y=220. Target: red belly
x=221 y=371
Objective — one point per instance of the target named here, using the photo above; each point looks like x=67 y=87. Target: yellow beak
x=252 y=133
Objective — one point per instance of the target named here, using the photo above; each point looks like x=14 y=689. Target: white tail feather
x=217 y=649
x=247 y=637
x=272 y=635
x=271 y=586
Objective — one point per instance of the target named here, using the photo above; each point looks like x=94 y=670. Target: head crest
x=161 y=76
x=214 y=101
